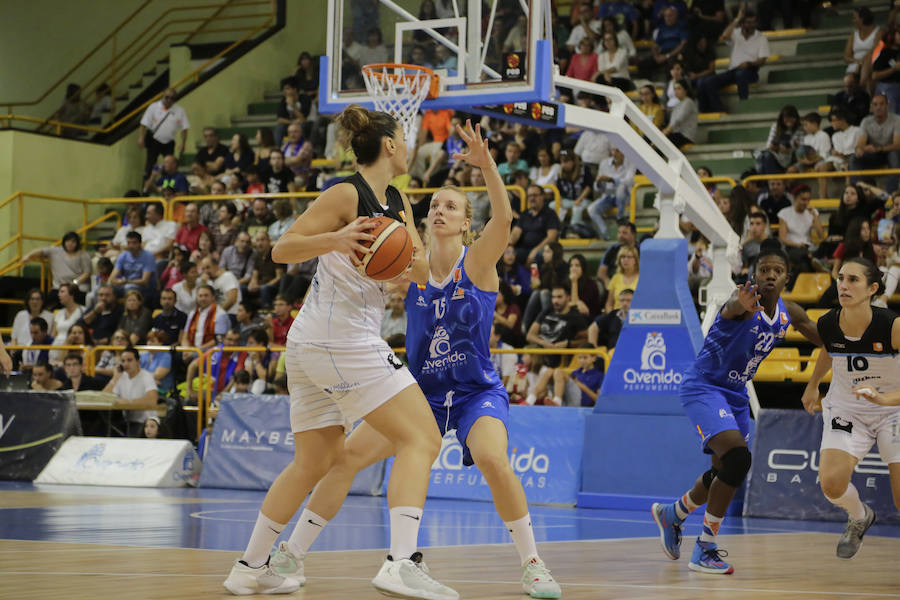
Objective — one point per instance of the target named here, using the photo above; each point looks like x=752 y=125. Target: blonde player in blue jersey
x=447 y=342
x=714 y=396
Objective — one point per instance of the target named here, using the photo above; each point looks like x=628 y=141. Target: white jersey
x=343 y=306
x=870 y=360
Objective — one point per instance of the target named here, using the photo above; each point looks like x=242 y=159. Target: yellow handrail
x=642 y=181
x=9 y=105
x=192 y=76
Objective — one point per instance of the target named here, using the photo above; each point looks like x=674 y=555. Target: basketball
x=391 y=250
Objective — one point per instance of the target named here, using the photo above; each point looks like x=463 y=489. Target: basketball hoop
x=399 y=89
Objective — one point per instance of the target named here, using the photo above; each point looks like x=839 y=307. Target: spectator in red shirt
x=188 y=234
x=281 y=320
x=436 y=125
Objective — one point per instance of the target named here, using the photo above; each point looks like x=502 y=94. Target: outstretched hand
x=478 y=154
x=748 y=297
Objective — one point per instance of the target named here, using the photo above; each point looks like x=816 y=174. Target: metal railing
x=122 y=63
x=641 y=181
x=827 y=202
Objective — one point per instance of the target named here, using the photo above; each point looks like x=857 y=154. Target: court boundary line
x=607 y=585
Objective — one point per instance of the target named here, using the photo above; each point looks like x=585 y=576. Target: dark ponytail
x=363 y=130
x=871 y=271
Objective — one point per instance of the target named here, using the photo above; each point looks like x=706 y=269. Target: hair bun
x=354 y=119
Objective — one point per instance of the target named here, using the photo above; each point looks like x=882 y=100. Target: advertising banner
x=132 y=462
x=659 y=340
x=251 y=443
x=33 y=425
x=784 y=479
x=545 y=445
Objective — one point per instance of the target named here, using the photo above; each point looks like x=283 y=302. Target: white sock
x=711 y=524
x=523 y=537
x=305 y=532
x=557 y=400
x=405 y=522
x=850 y=502
x=685 y=506
x=265 y=532
x=530 y=399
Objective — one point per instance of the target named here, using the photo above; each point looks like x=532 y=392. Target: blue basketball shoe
x=669 y=528
x=707 y=558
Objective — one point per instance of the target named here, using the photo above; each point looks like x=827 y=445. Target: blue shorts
x=464 y=408
x=714 y=409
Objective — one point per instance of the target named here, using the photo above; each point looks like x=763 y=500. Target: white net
x=399 y=91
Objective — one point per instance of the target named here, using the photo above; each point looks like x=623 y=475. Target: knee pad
x=709 y=476
x=735 y=466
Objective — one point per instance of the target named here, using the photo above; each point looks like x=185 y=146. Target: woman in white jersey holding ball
x=339 y=369
x=862 y=405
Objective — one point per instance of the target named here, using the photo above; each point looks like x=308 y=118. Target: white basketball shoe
x=409 y=578
x=287 y=564
x=245 y=580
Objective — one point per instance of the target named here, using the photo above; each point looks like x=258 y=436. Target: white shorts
x=855 y=433
x=339 y=384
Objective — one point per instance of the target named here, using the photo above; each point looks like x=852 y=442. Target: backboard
x=485 y=52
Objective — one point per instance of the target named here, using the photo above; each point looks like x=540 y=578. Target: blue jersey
x=448 y=329
x=733 y=349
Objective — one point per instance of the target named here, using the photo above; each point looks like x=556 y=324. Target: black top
x=369 y=206
x=204 y=156
x=171 y=324
x=887 y=58
x=875 y=340
x=534 y=227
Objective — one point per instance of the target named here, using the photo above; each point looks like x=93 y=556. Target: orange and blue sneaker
x=669 y=528
x=707 y=558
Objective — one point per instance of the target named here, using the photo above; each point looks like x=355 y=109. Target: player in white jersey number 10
x=862 y=405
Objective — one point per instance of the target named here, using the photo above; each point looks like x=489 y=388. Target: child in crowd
x=584 y=383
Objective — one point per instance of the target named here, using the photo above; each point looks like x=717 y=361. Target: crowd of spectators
x=205 y=278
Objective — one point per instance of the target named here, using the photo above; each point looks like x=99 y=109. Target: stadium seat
x=808 y=288
x=811 y=365
x=783 y=364
x=814 y=315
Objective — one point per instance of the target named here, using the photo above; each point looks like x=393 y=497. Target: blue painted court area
x=220 y=519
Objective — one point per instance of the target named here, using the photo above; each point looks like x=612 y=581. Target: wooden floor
x=792 y=566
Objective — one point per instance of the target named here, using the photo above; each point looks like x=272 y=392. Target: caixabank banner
x=784 y=479
x=545 y=447
x=33 y=425
x=251 y=443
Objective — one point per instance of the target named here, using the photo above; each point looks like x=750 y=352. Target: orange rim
x=377 y=70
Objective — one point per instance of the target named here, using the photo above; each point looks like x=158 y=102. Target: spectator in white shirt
x=814 y=146
x=587 y=27
x=133 y=385
x=843 y=145
x=161 y=122
x=394 y=320
x=749 y=52
x=186 y=289
x=157 y=234
x=225 y=284
x=593 y=148
x=795 y=225
x=613 y=184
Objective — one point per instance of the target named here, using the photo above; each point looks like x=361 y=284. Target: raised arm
x=745 y=299
x=487 y=249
